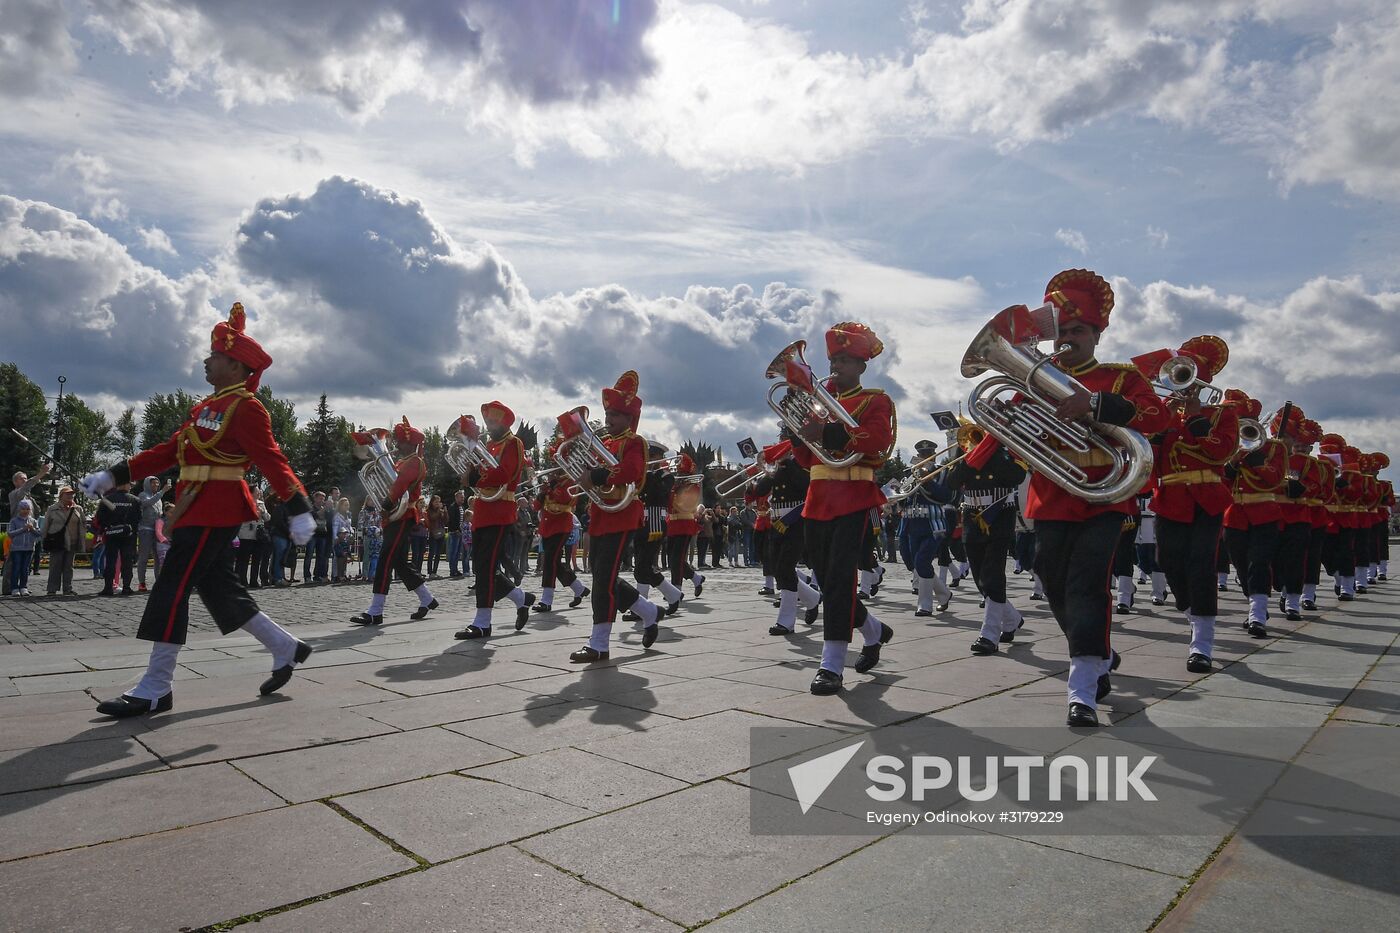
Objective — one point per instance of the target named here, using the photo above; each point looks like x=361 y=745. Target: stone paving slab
x=441 y=817
x=633 y=773
x=195 y=876
x=44 y=821
x=503 y=890
x=326 y=770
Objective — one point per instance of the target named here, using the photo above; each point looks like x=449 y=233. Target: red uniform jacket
x=1350 y=489
x=840 y=491
x=509 y=452
x=411 y=472
x=225 y=434
x=1189 y=466
x=760 y=506
x=1298 y=509
x=1047 y=501
x=1259 y=488
x=1326 y=498
x=556 y=507
x=631 y=453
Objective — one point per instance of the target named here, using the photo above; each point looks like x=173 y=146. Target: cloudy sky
x=425 y=204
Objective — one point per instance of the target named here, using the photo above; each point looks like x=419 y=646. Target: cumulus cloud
x=1073 y=239
x=405 y=307
x=361 y=53
x=91 y=177
x=71 y=296
x=35 y=48
x=157 y=241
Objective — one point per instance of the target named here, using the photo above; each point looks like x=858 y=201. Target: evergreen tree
x=325 y=451
x=126 y=433
x=442 y=479
x=893 y=469
x=22 y=407
x=162 y=416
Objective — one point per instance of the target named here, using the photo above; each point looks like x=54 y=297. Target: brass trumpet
x=1179 y=378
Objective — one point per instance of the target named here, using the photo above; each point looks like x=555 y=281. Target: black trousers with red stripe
x=1186 y=554
x=787 y=547
x=836 y=548
x=495 y=570
x=393 y=558
x=200 y=560
x=555 y=566
x=1074 y=561
x=1252 y=552
x=1317 y=543
x=611 y=593
x=644 y=551
x=1291 y=557
x=677 y=547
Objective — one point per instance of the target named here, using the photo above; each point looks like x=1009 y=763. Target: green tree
x=325 y=452
x=442 y=479
x=894 y=468
x=126 y=432
x=22 y=408
x=162 y=416
x=85 y=439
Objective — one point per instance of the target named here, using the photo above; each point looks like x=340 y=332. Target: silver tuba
x=1028 y=426
x=465 y=452
x=378 y=474
x=581 y=451
x=1178 y=377
x=806 y=400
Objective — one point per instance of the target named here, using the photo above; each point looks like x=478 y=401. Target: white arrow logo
x=811 y=778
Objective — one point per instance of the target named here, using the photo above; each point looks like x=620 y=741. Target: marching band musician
x=622 y=410
x=762 y=525
x=1351 y=493
x=1376 y=514
x=555 y=505
x=785 y=489
x=494 y=511
x=988 y=481
x=224 y=435
x=1320 y=516
x=1191 y=495
x=1338 y=553
x=1304 y=482
x=646 y=541
x=681 y=529
x=922 y=528
x=1386 y=507
x=1365 y=522
x=393 y=559
x=1251 y=521
x=839 y=501
x=1076 y=539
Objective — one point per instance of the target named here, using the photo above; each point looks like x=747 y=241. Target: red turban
x=1210 y=353
x=405 y=433
x=623 y=396
x=1081 y=295
x=853 y=339
x=228 y=338
x=498 y=410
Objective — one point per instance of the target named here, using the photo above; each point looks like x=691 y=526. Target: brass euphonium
x=581 y=451
x=466 y=451
x=378 y=474
x=1179 y=378
x=1028 y=426
x=806 y=400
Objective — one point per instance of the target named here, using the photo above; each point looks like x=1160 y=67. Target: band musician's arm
x=631 y=466
x=1132 y=404
x=508 y=470
x=251 y=429
x=873 y=434
x=410 y=472
x=1214 y=435
x=150 y=462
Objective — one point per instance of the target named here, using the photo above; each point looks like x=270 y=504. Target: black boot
x=124 y=706
x=279 y=677
x=870 y=654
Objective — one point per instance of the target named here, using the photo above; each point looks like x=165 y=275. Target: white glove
x=94 y=485
x=302 y=527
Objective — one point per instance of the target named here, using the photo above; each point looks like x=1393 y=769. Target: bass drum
x=687 y=498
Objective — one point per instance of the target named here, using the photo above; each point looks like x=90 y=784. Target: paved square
x=407 y=781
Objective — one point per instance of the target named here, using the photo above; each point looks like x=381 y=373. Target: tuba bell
x=378 y=474
x=1017 y=407
x=806 y=400
x=466 y=451
x=1252 y=435
x=581 y=451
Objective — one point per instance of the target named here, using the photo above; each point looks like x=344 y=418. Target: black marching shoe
x=1282 y=604
x=870 y=654
x=1103 y=689
x=673 y=608
x=776 y=629
x=1158 y=601
x=1081 y=716
x=1223 y=588
x=982 y=603
x=365 y=618
x=1293 y=615
x=1009 y=637
x=812 y=614
x=1117 y=660
x=1123 y=609
x=984 y=646
x=1345 y=597
x=1256 y=629
x=1037 y=597
x=124 y=706
x=1309 y=605
x=578 y=600
x=651 y=631
x=279 y=677
x=1198 y=663
x=472 y=631
x=630 y=616
x=542 y=607
x=921 y=613
x=422 y=611
x=587 y=655
x=522 y=615
x=1360 y=590
x=767 y=591
x=826 y=683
